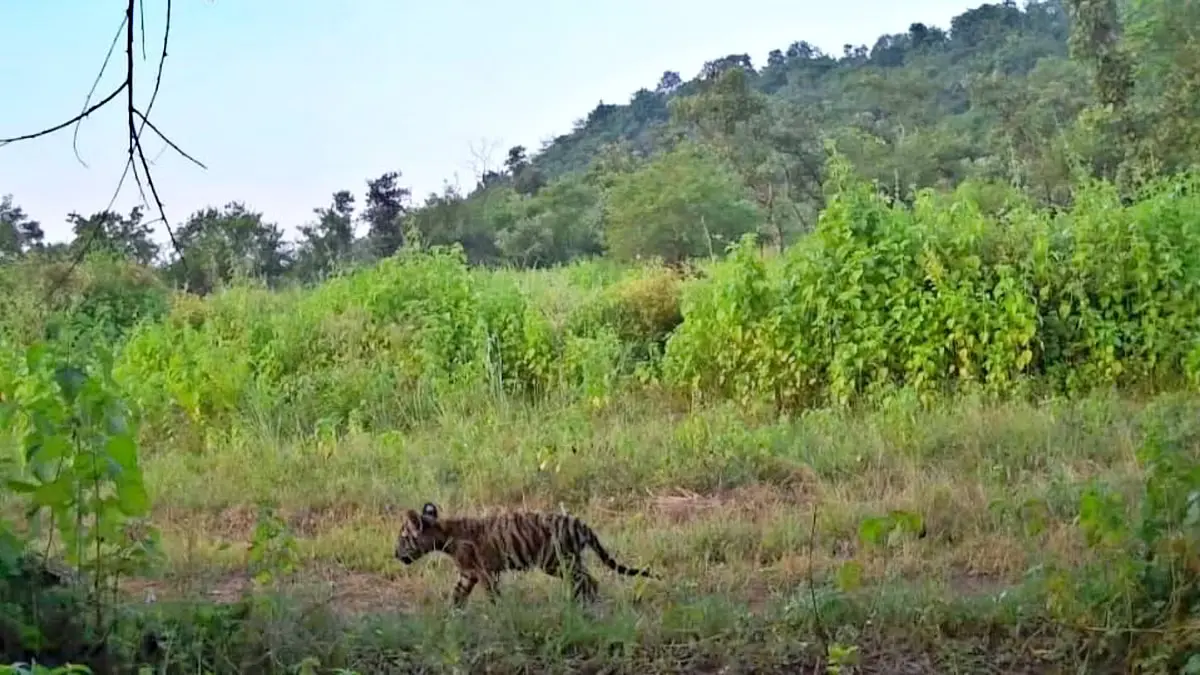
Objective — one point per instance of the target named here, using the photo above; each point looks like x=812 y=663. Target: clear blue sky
x=287 y=101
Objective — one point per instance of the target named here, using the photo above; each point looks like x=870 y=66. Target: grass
x=719 y=501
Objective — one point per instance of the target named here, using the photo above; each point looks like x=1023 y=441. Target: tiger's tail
x=589 y=538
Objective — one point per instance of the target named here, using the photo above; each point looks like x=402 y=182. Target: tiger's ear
x=429 y=511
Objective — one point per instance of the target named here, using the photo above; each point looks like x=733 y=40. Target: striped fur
x=484 y=547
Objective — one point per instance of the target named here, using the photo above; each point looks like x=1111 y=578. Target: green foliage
x=1140 y=596
x=941 y=294
x=78 y=450
x=70 y=452
x=105 y=297
x=934 y=267
x=272 y=555
x=123 y=236
x=421 y=322
x=642 y=309
x=684 y=204
x=19 y=233
x=219 y=245
x=561 y=223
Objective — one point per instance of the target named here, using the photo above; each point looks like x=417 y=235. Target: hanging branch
x=136 y=121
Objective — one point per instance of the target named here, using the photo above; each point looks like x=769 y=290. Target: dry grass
x=720 y=505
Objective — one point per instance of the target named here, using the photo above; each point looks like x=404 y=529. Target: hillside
x=924 y=80
x=986 y=99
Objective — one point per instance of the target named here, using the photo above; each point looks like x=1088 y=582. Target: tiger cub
x=485 y=546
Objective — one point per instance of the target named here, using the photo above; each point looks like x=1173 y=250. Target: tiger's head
x=419 y=534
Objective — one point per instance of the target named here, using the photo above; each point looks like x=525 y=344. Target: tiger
x=483 y=547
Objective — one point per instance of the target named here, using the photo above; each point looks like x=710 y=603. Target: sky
x=288 y=101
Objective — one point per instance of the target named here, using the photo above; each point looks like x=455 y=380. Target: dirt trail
x=348 y=592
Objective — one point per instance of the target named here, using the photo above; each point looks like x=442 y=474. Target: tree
x=219 y=245
x=669 y=82
x=330 y=240
x=561 y=223
x=526 y=179
x=685 y=203
x=126 y=236
x=386 y=205
x=18 y=232
x=775 y=148
x=1096 y=39
x=1144 y=57
x=727 y=101
x=715 y=68
x=516 y=160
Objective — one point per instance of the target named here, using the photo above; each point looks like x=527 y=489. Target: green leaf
x=906 y=521
x=873 y=530
x=71 y=380
x=133 y=499
x=53 y=494
x=48 y=448
x=123 y=450
x=849 y=576
x=21 y=486
x=34 y=356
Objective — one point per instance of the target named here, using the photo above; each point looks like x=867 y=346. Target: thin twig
x=158 y=202
x=141 y=6
x=818 y=625
x=162 y=59
x=95 y=83
x=168 y=141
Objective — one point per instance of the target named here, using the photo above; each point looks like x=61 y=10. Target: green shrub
x=940 y=295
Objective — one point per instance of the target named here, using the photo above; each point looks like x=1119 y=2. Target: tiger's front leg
x=491 y=586
x=462 y=589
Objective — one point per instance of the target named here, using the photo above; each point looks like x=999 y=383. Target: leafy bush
x=70 y=456
x=940 y=295
x=104 y=296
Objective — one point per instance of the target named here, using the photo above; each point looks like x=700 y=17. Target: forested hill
x=994 y=96
x=1004 y=101
x=928 y=78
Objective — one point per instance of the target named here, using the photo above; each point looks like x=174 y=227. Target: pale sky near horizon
x=287 y=101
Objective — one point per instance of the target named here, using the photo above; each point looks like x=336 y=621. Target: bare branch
x=135 y=153
x=73 y=120
x=482 y=157
x=146 y=122
x=162 y=59
x=137 y=137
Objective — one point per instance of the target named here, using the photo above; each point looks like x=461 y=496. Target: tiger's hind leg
x=583 y=585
